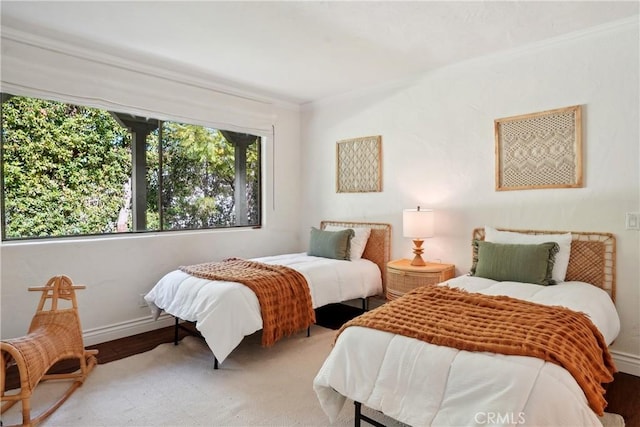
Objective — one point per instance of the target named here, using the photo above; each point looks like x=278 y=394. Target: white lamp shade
x=417 y=223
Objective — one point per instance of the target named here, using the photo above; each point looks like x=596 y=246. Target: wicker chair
x=55 y=334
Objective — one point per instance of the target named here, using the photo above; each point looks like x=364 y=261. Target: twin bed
x=420 y=383
x=224 y=314
x=424 y=383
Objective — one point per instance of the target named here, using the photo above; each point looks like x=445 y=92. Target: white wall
x=117 y=270
x=438 y=152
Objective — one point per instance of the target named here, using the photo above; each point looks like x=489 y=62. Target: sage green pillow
x=330 y=244
x=514 y=262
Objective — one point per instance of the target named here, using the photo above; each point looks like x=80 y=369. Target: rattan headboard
x=378 y=247
x=592 y=259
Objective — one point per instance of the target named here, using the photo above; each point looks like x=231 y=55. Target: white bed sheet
x=423 y=384
x=229 y=311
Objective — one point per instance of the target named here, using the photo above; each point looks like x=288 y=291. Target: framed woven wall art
x=539 y=150
x=359 y=165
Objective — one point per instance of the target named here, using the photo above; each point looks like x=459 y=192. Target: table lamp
x=417 y=224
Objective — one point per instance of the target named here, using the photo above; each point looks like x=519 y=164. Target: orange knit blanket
x=474 y=322
x=283 y=293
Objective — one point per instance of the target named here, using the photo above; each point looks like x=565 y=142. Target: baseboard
x=125 y=329
x=626 y=362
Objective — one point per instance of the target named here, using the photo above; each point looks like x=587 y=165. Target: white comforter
x=229 y=311
x=423 y=384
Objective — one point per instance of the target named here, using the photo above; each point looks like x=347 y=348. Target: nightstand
x=402 y=276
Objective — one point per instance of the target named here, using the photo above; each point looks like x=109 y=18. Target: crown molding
x=626 y=24
x=144 y=64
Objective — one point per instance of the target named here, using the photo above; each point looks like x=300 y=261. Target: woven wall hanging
x=359 y=165
x=539 y=150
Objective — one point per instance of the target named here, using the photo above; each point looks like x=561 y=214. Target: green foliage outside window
x=64 y=168
x=67 y=170
x=198 y=178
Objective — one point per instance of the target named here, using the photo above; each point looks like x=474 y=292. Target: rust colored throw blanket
x=283 y=293
x=475 y=322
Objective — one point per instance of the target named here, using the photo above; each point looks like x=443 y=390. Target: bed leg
x=358 y=417
x=308 y=331
x=215 y=362
x=175 y=333
x=365 y=304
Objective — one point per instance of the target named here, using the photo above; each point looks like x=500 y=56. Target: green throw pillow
x=330 y=244
x=514 y=262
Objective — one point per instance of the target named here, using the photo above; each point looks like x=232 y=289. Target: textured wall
x=438 y=152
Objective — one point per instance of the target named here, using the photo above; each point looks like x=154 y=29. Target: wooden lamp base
x=418 y=250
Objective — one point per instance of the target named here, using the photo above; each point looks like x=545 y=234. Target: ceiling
x=303 y=51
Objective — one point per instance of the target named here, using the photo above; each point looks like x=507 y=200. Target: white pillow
x=563 y=240
x=358 y=241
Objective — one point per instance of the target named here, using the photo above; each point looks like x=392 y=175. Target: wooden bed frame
x=592 y=260
x=377 y=250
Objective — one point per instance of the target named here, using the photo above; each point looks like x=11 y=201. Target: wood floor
x=623 y=397
x=623 y=394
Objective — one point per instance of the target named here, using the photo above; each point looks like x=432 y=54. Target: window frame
x=261 y=140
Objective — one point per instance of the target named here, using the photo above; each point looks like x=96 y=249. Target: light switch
x=632 y=221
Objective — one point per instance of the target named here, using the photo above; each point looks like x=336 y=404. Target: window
x=72 y=170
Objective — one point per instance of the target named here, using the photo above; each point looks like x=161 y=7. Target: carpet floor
x=177 y=386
